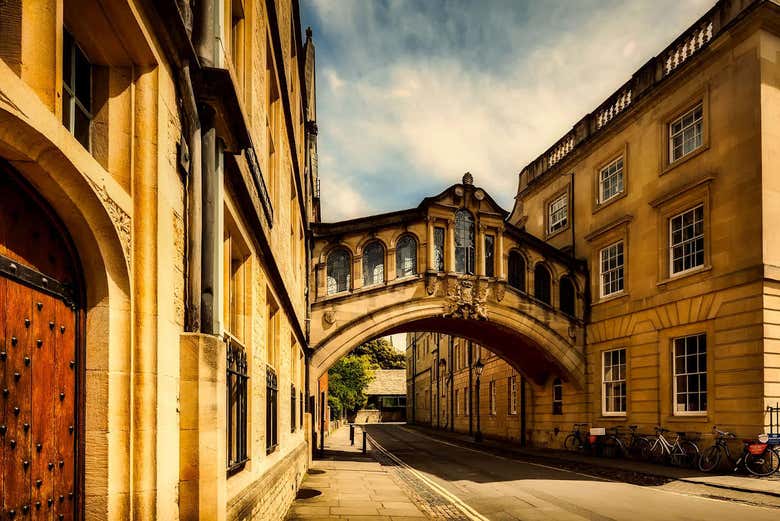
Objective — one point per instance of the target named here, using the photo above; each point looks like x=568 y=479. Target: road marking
x=465 y=509
x=509 y=459
x=653 y=489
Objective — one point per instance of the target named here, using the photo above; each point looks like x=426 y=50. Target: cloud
x=416 y=93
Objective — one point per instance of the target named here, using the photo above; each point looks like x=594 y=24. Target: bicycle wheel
x=709 y=460
x=640 y=449
x=572 y=443
x=658 y=453
x=612 y=447
x=689 y=455
x=764 y=464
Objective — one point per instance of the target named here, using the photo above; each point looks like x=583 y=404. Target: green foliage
x=347 y=382
x=382 y=354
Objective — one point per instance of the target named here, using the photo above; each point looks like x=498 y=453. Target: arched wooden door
x=40 y=327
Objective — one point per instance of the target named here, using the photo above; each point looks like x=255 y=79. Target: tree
x=347 y=382
x=381 y=353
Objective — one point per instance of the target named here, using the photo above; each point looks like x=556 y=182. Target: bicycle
x=679 y=452
x=612 y=445
x=578 y=439
x=637 y=446
x=759 y=459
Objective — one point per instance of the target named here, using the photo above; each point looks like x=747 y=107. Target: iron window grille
x=237 y=398
x=612 y=264
x=489 y=255
x=406 y=257
x=685 y=133
x=76 y=90
x=512 y=395
x=464 y=242
x=686 y=240
x=516 y=270
x=542 y=291
x=611 y=180
x=438 y=248
x=557 y=396
x=613 y=382
x=293 y=409
x=373 y=264
x=493 y=397
x=558 y=213
x=690 y=374
x=338 y=268
x=271 y=410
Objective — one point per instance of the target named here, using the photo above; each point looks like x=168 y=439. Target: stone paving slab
x=353 y=486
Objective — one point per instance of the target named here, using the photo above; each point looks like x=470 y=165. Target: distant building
x=387 y=394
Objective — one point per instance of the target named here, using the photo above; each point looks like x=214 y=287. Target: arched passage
x=94 y=213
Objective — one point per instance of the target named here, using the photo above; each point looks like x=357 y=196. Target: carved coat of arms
x=466 y=299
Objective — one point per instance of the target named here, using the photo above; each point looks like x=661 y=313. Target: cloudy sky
x=412 y=94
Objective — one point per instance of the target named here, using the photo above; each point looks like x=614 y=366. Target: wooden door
x=39 y=330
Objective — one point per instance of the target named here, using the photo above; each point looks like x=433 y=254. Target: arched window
x=516 y=270
x=464 y=242
x=542 y=283
x=406 y=257
x=567 y=295
x=373 y=264
x=339 y=272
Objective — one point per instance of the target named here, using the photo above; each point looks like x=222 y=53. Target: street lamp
x=478 y=367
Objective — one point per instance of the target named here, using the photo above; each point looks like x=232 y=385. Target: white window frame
x=558 y=213
x=686 y=374
x=672 y=245
x=695 y=125
x=513 y=395
x=614 y=170
x=613 y=382
x=492 y=397
x=619 y=271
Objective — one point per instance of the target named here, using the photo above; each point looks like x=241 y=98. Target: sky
x=412 y=94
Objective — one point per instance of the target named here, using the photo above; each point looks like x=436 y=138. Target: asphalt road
x=502 y=489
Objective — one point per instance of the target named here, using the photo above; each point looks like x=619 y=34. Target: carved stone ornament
x=431 y=284
x=499 y=291
x=466 y=299
x=120 y=218
x=329 y=317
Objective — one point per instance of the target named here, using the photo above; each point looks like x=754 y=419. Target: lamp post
x=478 y=367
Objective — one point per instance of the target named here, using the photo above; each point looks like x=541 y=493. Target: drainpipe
x=194 y=201
x=471 y=396
x=206 y=38
x=571 y=198
x=452 y=386
x=414 y=377
x=211 y=237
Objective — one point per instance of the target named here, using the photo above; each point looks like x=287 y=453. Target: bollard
x=351 y=434
x=364 y=441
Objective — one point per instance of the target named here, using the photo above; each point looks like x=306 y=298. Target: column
x=480 y=250
x=449 y=250
x=499 y=254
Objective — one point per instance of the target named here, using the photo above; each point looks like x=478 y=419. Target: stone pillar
x=357 y=272
x=449 y=250
x=431 y=246
x=480 y=250
x=390 y=264
x=499 y=254
x=203 y=423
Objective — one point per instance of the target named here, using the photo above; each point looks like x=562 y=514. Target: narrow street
x=489 y=487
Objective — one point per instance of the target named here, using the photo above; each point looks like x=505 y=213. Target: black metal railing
x=237 y=399
x=271 y=410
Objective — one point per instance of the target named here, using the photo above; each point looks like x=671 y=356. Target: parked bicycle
x=759 y=459
x=680 y=451
x=578 y=440
x=637 y=446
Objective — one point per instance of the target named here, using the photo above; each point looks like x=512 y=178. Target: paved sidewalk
x=638 y=472
x=352 y=486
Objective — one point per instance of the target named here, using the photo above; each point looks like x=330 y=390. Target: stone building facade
x=157 y=180
x=669 y=192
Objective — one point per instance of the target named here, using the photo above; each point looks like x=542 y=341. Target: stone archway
x=95 y=214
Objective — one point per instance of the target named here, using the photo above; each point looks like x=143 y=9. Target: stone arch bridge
x=452 y=265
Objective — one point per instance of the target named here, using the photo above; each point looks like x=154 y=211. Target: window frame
x=523 y=286
x=549 y=290
x=671 y=246
x=705 y=372
x=470 y=246
x=69 y=89
x=382 y=262
x=557 y=397
x=492 y=396
x=605 y=383
x=399 y=274
x=671 y=135
x=601 y=200
x=439 y=238
x=237 y=370
x=489 y=249
x=549 y=223
x=512 y=400
x=348 y=282
x=621 y=269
